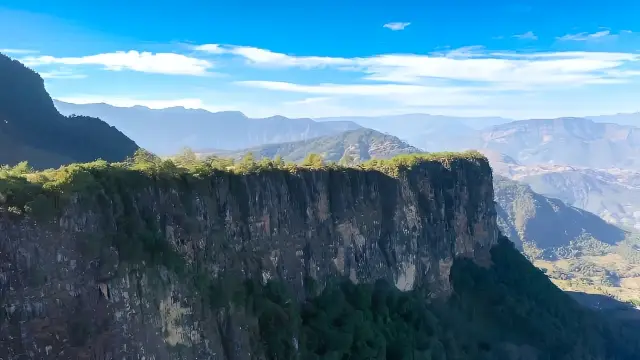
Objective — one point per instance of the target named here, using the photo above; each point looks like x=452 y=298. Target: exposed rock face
x=69 y=289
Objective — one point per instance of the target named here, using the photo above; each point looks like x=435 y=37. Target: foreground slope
x=177 y=127
x=394 y=259
x=350 y=146
x=32 y=129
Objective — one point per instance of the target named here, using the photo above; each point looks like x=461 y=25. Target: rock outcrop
x=122 y=265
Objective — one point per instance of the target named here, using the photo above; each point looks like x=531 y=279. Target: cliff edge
x=186 y=259
x=103 y=257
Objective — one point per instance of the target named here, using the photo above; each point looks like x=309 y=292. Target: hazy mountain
x=573 y=141
x=166 y=131
x=613 y=194
x=543 y=222
x=600 y=191
x=388 y=120
x=32 y=129
x=428 y=132
x=632 y=119
x=356 y=145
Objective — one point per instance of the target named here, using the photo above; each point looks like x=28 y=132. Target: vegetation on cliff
x=25 y=190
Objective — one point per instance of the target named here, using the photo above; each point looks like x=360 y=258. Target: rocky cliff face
x=142 y=267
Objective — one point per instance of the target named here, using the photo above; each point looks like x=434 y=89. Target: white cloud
x=335 y=89
x=529 y=35
x=267 y=58
x=396 y=26
x=470 y=64
x=466 y=80
x=159 y=63
x=408 y=95
x=61 y=74
x=211 y=48
x=17 y=51
x=307 y=101
x=584 y=36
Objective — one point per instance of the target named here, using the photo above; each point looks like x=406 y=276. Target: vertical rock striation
x=98 y=281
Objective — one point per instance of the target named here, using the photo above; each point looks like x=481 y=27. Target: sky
x=529 y=59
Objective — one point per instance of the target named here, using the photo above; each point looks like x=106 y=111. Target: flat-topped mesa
x=73 y=241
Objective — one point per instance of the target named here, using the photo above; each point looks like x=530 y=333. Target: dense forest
x=32 y=129
x=508 y=311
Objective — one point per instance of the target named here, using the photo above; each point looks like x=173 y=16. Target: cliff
x=101 y=259
x=392 y=259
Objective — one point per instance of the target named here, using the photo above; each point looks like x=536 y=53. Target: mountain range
x=177 y=127
x=570 y=141
x=592 y=142
x=613 y=194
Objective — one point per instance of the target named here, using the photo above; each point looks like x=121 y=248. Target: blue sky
x=330 y=58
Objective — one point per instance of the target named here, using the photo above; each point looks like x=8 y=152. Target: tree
x=248 y=159
x=186 y=158
x=22 y=168
x=346 y=160
x=144 y=156
x=278 y=162
x=313 y=160
x=145 y=160
x=248 y=162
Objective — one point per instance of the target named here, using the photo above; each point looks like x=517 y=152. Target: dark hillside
x=31 y=128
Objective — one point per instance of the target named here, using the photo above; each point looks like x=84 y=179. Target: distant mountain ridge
x=177 y=127
x=32 y=129
x=351 y=146
x=611 y=193
x=632 y=119
x=575 y=141
x=572 y=141
x=427 y=132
